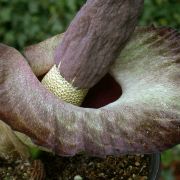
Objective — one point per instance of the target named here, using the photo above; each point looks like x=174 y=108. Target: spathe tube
x=94 y=40
x=145 y=119
x=90 y=45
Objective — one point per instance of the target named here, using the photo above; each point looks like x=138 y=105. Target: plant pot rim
x=154 y=169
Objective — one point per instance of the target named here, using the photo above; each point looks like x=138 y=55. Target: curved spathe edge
x=145 y=119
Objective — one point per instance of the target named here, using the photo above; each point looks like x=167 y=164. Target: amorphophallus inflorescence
x=144 y=119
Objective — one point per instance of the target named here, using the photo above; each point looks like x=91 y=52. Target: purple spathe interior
x=106 y=91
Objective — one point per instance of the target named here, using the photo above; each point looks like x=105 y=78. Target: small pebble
x=98 y=165
x=91 y=164
x=101 y=175
x=78 y=177
x=137 y=163
x=27 y=164
x=25 y=174
x=125 y=161
x=144 y=178
x=9 y=168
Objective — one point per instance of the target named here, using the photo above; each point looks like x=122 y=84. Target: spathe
x=93 y=40
x=10 y=145
x=145 y=119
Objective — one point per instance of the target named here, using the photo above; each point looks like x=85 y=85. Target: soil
x=79 y=167
x=12 y=168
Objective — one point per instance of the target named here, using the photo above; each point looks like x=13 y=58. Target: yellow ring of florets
x=55 y=83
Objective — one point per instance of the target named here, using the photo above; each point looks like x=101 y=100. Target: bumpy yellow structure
x=55 y=83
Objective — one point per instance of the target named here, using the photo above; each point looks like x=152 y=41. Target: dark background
x=24 y=22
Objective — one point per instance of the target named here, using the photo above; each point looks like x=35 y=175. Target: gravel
x=79 y=167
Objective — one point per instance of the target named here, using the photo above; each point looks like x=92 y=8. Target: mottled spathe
x=145 y=119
